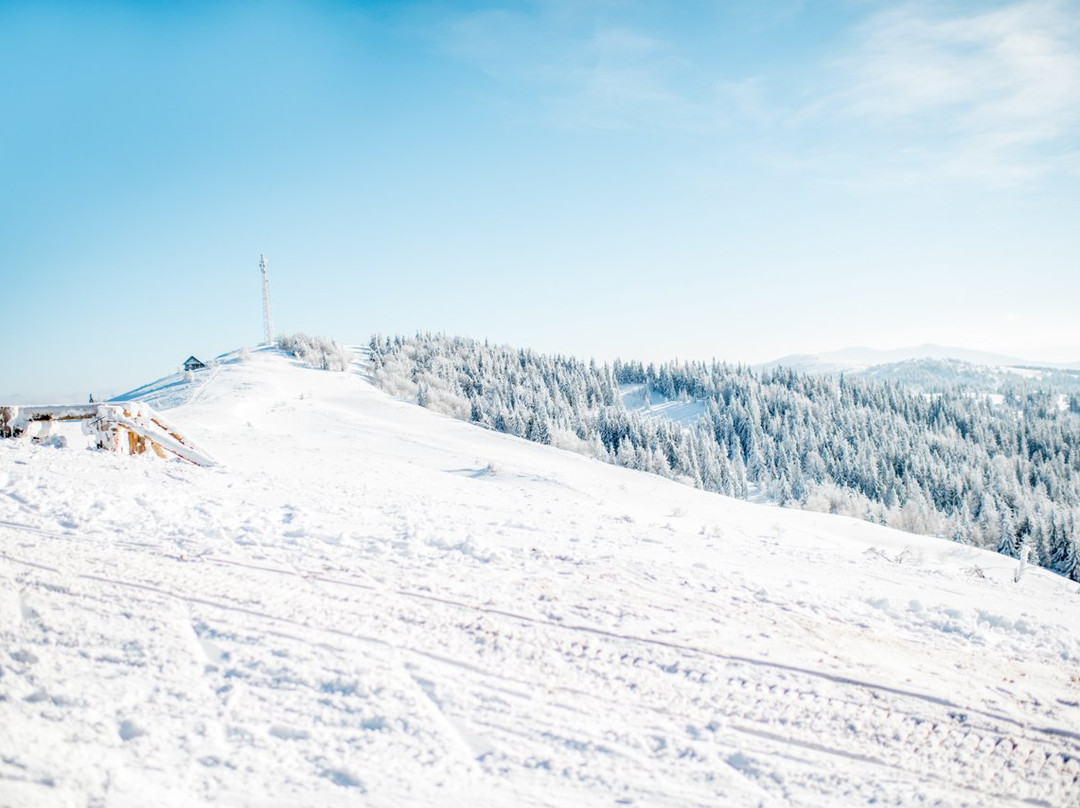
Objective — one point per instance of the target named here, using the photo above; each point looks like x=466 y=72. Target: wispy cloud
x=992 y=96
x=581 y=71
x=617 y=78
x=917 y=93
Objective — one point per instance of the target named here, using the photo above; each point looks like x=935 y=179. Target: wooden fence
x=127 y=428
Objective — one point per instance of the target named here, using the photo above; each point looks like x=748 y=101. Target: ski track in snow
x=369 y=604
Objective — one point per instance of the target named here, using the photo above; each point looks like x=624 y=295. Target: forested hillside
x=936 y=375
x=998 y=474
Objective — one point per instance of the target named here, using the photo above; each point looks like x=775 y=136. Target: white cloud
x=581 y=71
x=917 y=95
x=993 y=96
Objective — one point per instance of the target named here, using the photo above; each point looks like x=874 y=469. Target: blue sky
x=646 y=179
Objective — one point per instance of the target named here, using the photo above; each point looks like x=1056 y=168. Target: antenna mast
x=268 y=323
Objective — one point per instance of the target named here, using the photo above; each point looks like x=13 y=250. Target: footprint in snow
x=340 y=777
x=129 y=730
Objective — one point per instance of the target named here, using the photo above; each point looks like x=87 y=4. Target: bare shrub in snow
x=316 y=352
x=568 y=440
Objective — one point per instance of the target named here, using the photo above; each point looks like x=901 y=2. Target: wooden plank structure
x=130 y=427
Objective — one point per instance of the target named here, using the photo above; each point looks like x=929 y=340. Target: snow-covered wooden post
x=128 y=428
x=7 y=418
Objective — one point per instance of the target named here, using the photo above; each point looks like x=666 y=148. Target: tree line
x=999 y=473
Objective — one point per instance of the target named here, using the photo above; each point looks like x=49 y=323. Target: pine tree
x=1008 y=542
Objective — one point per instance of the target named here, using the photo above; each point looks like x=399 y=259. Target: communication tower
x=268 y=323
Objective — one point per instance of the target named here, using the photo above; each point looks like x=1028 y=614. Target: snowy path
x=368 y=604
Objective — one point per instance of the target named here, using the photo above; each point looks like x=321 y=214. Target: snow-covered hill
x=933 y=375
x=849 y=360
x=938 y=367
x=369 y=604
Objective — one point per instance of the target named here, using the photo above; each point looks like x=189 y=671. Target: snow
x=366 y=603
x=684 y=412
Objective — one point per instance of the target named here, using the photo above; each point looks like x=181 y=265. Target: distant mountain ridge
x=854 y=359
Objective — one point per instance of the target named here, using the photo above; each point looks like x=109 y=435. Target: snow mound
x=366 y=603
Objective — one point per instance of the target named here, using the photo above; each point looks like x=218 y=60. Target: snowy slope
x=369 y=604
x=652 y=403
x=176 y=390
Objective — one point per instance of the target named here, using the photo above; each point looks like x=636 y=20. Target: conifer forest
x=995 y=471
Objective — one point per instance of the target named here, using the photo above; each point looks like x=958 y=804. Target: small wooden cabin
x=191 y=363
